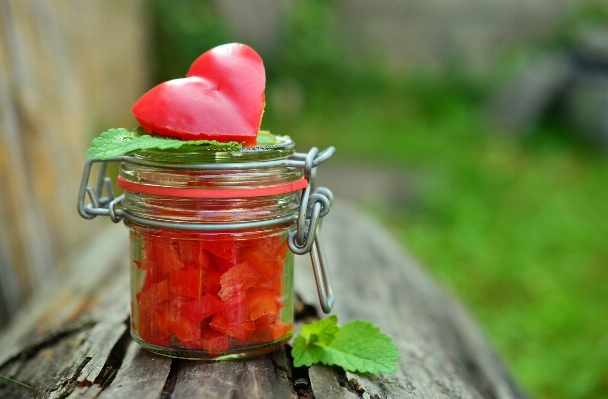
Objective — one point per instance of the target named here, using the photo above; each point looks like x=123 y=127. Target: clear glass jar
x=211 y=294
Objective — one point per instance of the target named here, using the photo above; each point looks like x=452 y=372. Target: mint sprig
x=117 y=142
x=357 y=346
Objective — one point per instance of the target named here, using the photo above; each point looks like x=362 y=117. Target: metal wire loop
x=323 y=156
x=326 y=192
x=301 y=249
x=300 y=231
x=93 y=197
x=322 y=277
x=318 y=198
x=109 y=188
x=112 y=209
x=309 y=161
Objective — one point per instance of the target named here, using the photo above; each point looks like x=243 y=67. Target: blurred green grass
x=516 y=228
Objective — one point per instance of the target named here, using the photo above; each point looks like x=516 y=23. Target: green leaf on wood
x=358 y=346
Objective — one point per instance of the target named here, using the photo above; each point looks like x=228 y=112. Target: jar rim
x=283 y=147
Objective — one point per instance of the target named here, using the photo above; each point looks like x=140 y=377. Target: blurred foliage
x=181 y=31
x=310 y=50
x=587 y=14
x=515 y=227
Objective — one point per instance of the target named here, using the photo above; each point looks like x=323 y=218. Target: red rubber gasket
x=219 y=193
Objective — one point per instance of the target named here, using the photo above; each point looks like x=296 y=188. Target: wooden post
x=67 y=69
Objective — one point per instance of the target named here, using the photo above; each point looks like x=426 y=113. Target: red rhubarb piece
x=213 y=341
x=263 y=302
x=267 y=255
x=187 y=281
x=157 y=293
x=241 y=331
x=212 y=281
x=203 y=307
x=223 y=253
x=236 y=281
x=166 y=255
x=268 y=329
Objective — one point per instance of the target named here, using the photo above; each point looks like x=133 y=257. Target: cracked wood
x=72 y=340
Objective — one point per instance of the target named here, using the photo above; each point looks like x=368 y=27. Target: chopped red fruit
x=192 y=253
x=175 y=307
x=148 y=263
x=187 y=281
x=212 y=281
x=236 y=281
x=156 y=294
x=186 y=329
x=148 y=330
x=166 y=255
x=223 y=249
x=263 y=302
x=236 y=313
x=201 y=292
x=213 y=341
x=269 y=328
x=152 y=276
x=241 y=331
x=224 y=254
x=162 y=322
x=150 y=333
x=203 y=307
x=264 y=253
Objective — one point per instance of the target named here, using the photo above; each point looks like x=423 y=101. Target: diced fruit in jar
x=236 y=281
x=203 y=307
x=204 y=293
x=187 y=281
x=241 y=330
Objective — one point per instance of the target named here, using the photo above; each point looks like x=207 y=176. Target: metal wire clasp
x=306 y=239
x=314 y=205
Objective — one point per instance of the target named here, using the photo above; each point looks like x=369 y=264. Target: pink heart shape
x=222 y=98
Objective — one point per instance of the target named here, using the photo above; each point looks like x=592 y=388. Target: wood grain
x=72 y=341
x=64 y=79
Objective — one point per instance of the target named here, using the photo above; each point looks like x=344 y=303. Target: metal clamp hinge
x=305 y=239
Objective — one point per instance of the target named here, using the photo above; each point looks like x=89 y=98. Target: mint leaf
x=360 y=346
x=117 y=142
x=321 y=332
x=305 y=353
x=308 y=345
x=357 y=346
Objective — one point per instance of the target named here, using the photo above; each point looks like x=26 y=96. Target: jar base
x=195 y=354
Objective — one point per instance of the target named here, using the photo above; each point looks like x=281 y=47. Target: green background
x=515 y=226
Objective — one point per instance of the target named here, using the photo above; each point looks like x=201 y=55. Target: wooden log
x=72 y=340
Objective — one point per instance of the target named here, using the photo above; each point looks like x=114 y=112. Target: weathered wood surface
x=72 y=341
x=62 y=72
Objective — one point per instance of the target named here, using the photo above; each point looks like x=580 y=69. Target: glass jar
x=224 y=290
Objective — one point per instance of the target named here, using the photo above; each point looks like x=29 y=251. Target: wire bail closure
x=315 y=204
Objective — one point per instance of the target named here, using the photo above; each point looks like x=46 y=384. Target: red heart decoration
x=222 y=98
